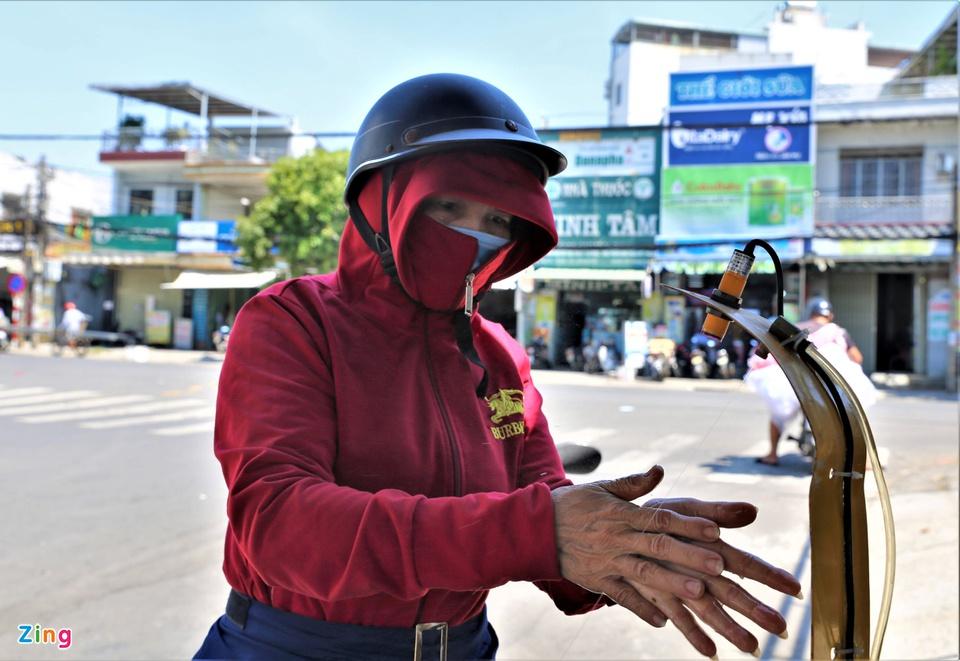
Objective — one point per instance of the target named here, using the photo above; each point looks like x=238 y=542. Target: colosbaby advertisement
x=747 y=201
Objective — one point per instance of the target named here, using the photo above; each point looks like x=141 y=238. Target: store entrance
x=572 y=319
x=894 y=322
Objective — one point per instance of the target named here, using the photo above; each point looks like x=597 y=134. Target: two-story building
x=884 y=145
x=886 y=205
x=187 y=163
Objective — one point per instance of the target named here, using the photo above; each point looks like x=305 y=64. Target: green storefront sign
x=608 y=196
x=730 y=202
x=140 y=233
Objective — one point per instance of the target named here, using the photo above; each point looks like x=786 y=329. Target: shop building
x=886 y=211
x=645 y=53
x=187 y=163
x=876 y=175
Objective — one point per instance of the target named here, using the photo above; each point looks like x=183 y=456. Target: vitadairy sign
x=738 y=155
x=607 y=197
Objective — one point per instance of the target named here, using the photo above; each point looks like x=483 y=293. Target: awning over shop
x=883 y=231
x=613 y=275
x=196 y=280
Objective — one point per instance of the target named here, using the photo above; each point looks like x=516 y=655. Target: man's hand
x=665 y=558
x=608 y=545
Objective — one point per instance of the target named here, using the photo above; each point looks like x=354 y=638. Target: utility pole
x=953 y=345
x=35 y=245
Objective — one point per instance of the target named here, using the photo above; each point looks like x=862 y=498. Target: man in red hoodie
x=387 y=459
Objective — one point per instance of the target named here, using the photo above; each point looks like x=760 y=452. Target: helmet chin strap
x=379 y=242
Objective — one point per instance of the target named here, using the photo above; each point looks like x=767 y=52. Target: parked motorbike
x=704 y=357
x=220 y=337
x=661 y=359
x=692 y=361
x=574 y=358
x=539 y=354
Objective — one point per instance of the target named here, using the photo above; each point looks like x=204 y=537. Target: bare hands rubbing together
x=665 y=560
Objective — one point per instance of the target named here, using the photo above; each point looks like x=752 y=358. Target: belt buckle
x=418 y=639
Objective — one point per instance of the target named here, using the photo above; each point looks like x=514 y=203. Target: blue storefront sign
x=741 y=87
x=773 y=135
x=207 y=236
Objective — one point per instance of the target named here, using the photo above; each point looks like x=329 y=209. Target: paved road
x=115 y=507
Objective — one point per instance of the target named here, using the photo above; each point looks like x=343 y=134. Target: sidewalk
x=145 y=354
x=133 y=354
x=582 y=379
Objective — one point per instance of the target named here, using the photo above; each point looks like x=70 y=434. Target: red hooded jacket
x=368 y=483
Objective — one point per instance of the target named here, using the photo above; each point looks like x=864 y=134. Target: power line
x=233 y=134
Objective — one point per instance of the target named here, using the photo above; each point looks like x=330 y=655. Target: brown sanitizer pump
x=840 y=583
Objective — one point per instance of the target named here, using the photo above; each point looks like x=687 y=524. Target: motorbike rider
x=385 y=452
x=831 y=340
x=73 y=323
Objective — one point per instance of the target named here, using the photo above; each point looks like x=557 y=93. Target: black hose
x=776 y=265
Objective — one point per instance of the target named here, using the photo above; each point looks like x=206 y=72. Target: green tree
x=302 y=215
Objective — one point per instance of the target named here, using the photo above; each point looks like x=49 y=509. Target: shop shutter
x=854 y=298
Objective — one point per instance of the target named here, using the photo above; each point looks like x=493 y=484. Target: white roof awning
x=197 y=280
x=614 y=275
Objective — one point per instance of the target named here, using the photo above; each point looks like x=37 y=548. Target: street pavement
x=116 y=506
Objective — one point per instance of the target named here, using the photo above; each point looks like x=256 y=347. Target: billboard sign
x=742 y=87
x=773 y=135
x=608 y=197
x=207 y=236
x=738 y=155
x=12 y=234
x=737 y=202
x=140 y=233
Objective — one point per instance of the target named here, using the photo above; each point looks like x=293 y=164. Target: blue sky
x=327 y=62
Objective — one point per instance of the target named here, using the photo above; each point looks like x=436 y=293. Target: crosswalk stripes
x=46 y=397
x=124 y=410
x=96 y=410
x=200 y=427
x=164 y=417
x=72 y=406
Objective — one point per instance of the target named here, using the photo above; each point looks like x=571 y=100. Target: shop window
x=185 y=202
x=880 y=175
x=141 y=202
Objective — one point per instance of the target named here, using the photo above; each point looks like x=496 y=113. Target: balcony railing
x=901 y=209
x=197 y=149
x=938 y=87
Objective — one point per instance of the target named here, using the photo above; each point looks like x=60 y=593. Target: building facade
x=38 y=202
x=874 y=173
x=179 y=185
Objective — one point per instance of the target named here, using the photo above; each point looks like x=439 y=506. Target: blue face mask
x=487 y=244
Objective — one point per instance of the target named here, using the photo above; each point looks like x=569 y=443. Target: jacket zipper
x=451 y=439
x=448 y=426
x=468 y=295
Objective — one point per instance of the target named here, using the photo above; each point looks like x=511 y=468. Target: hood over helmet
x=444 y=134
x=434 y=115
x=433 y=260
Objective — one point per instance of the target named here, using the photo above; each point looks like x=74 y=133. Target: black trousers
x=252 y=630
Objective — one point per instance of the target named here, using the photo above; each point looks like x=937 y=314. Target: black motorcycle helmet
x=443 y=111
x=819 y=307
